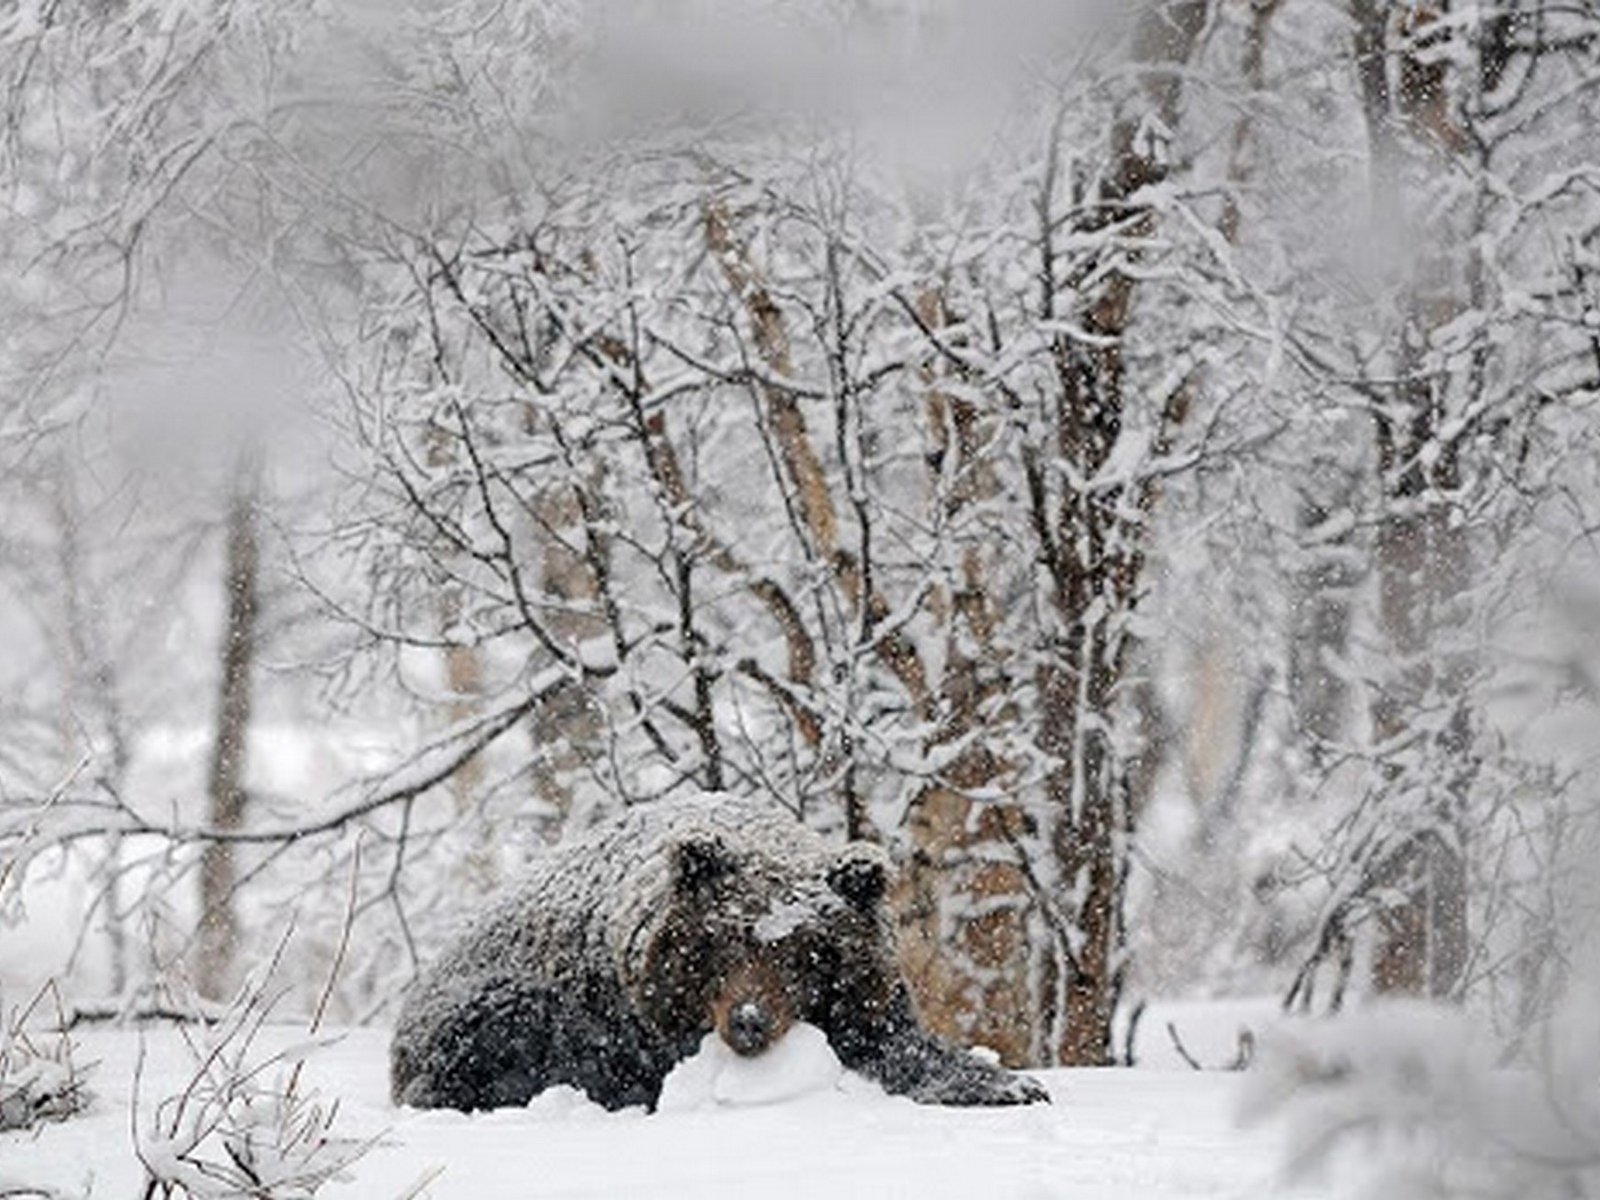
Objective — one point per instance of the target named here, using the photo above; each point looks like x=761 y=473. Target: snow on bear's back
x=621 y=871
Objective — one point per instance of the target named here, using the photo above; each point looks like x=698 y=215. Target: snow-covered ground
x=790 y=1125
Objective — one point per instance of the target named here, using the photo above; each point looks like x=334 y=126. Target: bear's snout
x=752 y=1011
x=749 y=1028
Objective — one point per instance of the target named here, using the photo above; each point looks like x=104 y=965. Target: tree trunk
x=219 y=926
x=1095 y=556
x=967 y=918
x=1319 y=692
x=1422 y=552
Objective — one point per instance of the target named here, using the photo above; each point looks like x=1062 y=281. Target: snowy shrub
x=1400 y=1100
x=243 y=1125
x=39 y=1079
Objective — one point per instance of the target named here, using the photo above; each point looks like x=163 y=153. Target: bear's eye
x=699 y=863
x=861 y=877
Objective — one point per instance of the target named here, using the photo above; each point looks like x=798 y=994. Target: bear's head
x=749 y=940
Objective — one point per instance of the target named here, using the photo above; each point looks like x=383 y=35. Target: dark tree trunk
x=1319 y=691
x=219 y=925
x=1423 y=557
x=1095 y=555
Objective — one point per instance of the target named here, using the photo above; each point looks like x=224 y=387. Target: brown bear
x=620 y=950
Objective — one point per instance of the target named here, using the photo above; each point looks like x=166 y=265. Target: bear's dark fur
x=615 y=956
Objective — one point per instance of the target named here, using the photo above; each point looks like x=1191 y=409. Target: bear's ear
x=698 y=862
x=861 y=875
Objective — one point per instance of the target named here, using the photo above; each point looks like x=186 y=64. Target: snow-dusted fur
x=605 y=966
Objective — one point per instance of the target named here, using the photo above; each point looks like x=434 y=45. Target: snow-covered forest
x=1138 y=463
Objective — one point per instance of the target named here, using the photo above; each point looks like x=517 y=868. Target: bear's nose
x=749 y=1028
